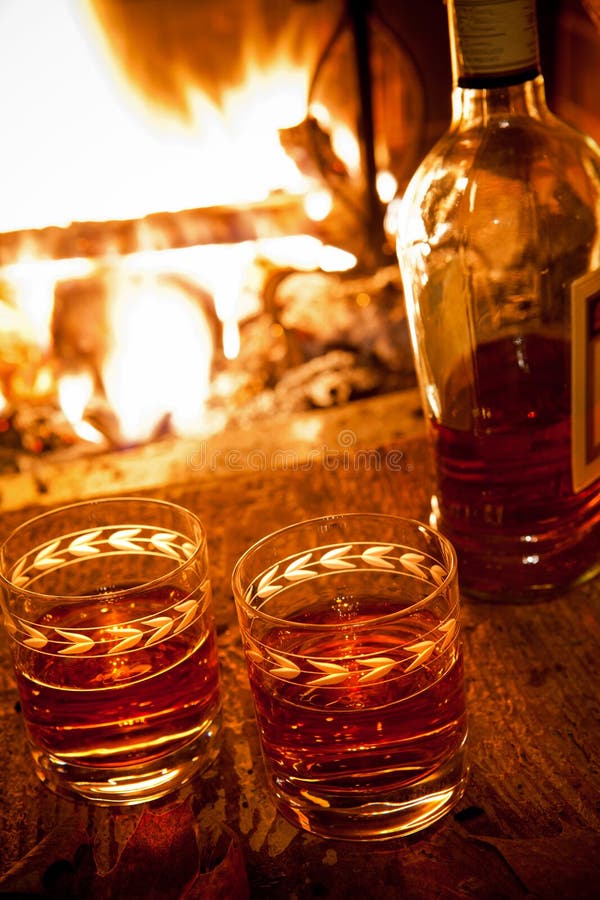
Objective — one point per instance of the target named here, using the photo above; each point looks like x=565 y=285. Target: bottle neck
x=493 y=43
x=527 y=98
x=495 y=59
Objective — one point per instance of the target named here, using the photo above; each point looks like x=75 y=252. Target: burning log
x=281 y=215
x=362 y=339
x=310 y=146
x=320 y=311
x=276 y=216
x=323 y=340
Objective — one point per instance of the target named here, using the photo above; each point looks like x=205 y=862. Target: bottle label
x=496 y=37
x=585 y=379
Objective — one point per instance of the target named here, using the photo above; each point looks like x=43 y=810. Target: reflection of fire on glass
x=593 y=449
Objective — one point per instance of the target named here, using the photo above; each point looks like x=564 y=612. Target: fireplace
x=194 y=233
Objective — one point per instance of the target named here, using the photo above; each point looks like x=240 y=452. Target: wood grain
x=528 y=825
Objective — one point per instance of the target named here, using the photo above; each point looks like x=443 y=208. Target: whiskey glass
x=351 y=632
x=107 y=605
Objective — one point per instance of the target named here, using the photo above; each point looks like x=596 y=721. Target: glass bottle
x=499 y=249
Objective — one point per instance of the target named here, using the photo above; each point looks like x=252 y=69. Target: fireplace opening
x=195 y=230
x=201 y=238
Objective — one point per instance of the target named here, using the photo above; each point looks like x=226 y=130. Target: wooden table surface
x=528 y=825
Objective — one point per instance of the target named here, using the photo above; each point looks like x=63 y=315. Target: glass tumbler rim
x=112 y=594
x=240 y=592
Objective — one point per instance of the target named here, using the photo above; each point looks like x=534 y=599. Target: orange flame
x=80 y=146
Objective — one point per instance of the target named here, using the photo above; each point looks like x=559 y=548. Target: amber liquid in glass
x=358 y=742
x=126 y=708
x=504 y=487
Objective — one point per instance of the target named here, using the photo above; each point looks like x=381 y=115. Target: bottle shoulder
x=512 y=141
x=501 y=198
x=519 y=167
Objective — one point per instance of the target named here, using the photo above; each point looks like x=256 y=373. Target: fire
x=90 y=148
x=84 y=146
x=159 y=363
x=75 y=390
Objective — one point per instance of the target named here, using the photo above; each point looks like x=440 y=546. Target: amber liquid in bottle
x=509 y=479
